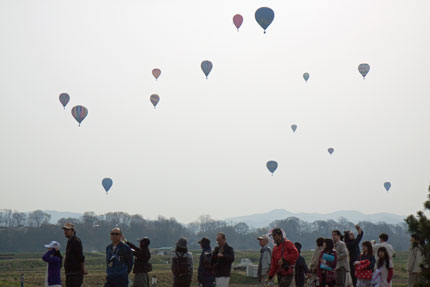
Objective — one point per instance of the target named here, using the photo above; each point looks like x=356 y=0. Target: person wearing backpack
x=141 y=264
x=222 y=258
x=205 y=276
x=182 y=264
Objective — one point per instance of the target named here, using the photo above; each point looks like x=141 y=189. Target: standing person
x=141 y=264
x=342 y=265
x=119 y=261
x=205 y=276
x=353 y=245
x=265 y=258
x=365 y=265
x=301 y=269
x=54 y=259
x=222 y=258
x=383 y=238
x=326 y=268
x=284 y=257
x=74 y=263
x=415 y=259
x=182 y=264
x=385 y=271
x=315 y=262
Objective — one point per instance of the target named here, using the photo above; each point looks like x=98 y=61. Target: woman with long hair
x=326 y=269
x=384 y=272
x=365 y=265
x=55 y=261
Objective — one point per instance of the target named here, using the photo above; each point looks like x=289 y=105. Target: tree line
x=21 y=232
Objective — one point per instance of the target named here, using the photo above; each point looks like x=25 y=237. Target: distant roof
x=164 y=248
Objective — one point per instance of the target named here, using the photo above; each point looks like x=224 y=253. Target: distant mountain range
x=264 y=219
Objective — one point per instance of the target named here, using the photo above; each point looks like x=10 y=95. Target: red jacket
x=286 y=251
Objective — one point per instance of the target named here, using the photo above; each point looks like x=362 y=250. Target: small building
x=163 y=251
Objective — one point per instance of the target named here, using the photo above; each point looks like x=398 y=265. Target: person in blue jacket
x=54 y=259
x=119 y=261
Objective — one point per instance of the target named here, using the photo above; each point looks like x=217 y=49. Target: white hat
x=53 y=244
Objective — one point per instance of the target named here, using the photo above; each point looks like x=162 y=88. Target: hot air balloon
x=330 y=150
x=294 y=128
x=237 y=20
x=264 y=17
x=79 y=113
x=156 y=73
x=154 y=99
x=64 y=99
x=306 y=76
x=206 y=67
x=107 y=183
x=387 y=185
x=364 y=69
x=272 y=166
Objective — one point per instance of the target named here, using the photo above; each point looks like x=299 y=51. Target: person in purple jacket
x=54 y=259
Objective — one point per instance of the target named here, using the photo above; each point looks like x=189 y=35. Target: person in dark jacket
x=182 y=264
x=54 y=260
x=74 y=263
x=353 y=245
x=205 y=276
x=141 y=264
x=119 y=261
x=365 y=265
x=222 y=259
x=301 y=269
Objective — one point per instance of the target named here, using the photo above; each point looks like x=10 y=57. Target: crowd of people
x=336 y=261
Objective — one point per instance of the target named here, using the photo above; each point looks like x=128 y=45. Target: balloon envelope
x=306 y=76
x=264 y=17
x=272 y=166
x=294 y=128
x=238 y=20
x=79 y=113
x=64 y=99
x=387 y=185
x=107 y=183
x=206 y=67
x=364 y=69
x=156 y=73
x=154 y=99
x=330 y=150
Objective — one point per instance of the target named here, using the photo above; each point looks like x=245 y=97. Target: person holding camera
x=141 y=264
x=284 y=257
x=353 y=245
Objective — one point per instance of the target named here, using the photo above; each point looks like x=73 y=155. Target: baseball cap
x=53 y=244
x=263 y=237
x=68 y=226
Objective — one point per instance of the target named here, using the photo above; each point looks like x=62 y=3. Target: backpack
x=207 y=258
x=180 y=265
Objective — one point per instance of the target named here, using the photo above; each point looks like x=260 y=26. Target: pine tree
x=421 y=226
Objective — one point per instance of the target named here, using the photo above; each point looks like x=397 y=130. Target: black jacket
x=300 y=270
x=354 y=247
x=142 y=258
x=74 y=256
x=221 y=266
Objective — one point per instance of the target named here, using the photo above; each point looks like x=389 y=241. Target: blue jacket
x=205 y=276
x=119 y=262
x=54 y=267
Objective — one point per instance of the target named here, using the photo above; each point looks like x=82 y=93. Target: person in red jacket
x=284 y=257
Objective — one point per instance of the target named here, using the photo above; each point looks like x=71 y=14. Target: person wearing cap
x=54 y=259
x=265 y=258
x=74 y=263
x=141 y=264
x=205 y=276
x=119 y=261
x=182 y=264
x=284 y=257
x=222 y=259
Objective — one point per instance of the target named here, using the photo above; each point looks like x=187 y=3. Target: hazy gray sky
x=204 y=149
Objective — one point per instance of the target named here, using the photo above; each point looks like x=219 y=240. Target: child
x=54 y=259
x=384 y=271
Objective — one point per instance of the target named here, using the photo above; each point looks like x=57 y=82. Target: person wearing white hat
x=54 y=259
x=265 y=259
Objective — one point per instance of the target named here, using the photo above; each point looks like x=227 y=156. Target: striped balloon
x=79 y=113
x=64 y=99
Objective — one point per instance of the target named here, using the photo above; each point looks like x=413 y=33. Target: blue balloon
x=330 y=150
x=206 y=67
x=306 y=76
x=272 y=166
x=294 y=128
x=107 y=183
x=387 y=185
x=264 y=17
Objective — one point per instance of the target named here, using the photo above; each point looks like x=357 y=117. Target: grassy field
x=33 y=268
